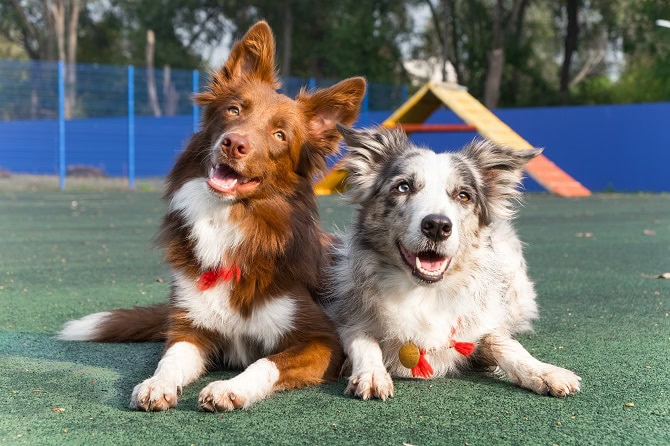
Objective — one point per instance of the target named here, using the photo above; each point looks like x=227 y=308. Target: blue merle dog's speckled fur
x=390 y=283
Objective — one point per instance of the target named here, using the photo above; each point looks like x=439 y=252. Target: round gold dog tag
x=409 y=355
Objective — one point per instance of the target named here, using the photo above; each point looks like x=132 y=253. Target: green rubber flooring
x=604 y=314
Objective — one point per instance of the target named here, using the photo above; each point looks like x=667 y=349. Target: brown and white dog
x=242 y=237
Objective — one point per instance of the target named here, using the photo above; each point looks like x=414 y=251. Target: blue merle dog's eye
x=464 y=196
x=403 y=187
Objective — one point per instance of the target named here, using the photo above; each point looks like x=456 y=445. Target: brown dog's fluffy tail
x=140 y=324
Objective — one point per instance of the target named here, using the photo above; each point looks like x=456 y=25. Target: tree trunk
x=40 y=42
x=494 y=77
x=170 y=95
x=570 y=46
x=71 y=71
x=502 y=26
x=47 y=50
x=515 y=44
x=34 y=95
x=454 y=57
x=496 y=59
x=151 y=77
x=287 y=39
x=58 y=12
x=67 y=53
x=441 y=34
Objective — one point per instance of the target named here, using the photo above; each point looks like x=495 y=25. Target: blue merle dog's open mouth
x=428 y=266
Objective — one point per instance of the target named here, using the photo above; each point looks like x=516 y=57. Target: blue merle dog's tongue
x=431 y=262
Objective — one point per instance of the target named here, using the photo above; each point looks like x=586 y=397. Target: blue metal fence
x=142 y=109
x=113 y=126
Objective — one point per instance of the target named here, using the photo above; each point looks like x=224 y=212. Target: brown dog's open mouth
x=428 y=266
x=224 y=179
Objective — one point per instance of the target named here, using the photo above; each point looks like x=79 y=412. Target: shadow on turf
x=132 y=363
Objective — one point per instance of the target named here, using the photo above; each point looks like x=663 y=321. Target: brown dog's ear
x=253 y=57
x=324 y=109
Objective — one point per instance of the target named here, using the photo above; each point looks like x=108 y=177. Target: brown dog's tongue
x=223 y=178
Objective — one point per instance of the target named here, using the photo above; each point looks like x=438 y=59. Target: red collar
x=422 y=368
x=211 y=277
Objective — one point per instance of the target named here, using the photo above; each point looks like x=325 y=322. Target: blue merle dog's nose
x=436 y=227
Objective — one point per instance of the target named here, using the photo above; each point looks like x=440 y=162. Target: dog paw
x=376 y=383
x=560 y=382
x=153 y=395
x=222 y=396
x=551 y=380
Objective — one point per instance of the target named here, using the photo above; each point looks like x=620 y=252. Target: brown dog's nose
x=235 y=146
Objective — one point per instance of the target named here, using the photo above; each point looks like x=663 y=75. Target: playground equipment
x=411 y=115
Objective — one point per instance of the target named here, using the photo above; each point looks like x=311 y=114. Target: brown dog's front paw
x=376 y=383
x=153 y=395
x=219 y=396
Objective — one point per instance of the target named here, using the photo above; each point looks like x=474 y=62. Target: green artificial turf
x=604 y=314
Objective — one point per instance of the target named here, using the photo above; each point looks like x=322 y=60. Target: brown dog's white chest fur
x=213 y=234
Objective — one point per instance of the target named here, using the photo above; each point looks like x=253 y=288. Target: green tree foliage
x=28 y=24
x=102 y=40
x=646 y=76
x=620 y=54
x=333 y=39
x=120 y=34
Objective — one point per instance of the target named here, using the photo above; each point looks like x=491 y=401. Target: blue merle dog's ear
x=501 y=171
x=369 y=151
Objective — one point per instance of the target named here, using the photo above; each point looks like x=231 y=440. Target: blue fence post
x=196 y=109
x=61 y=124
x=131 y=126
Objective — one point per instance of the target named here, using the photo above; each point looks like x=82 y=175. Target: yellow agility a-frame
x=433 y=95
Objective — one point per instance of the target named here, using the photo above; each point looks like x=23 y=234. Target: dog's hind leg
x=525 y=370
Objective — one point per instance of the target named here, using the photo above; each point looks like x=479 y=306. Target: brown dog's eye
x=233 y=110
x=281 y=136
x=464 y=196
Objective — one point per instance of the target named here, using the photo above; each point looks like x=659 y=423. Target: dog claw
x=560 y=382
x=153 y=395
x=369 y=385
x=217 y=396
